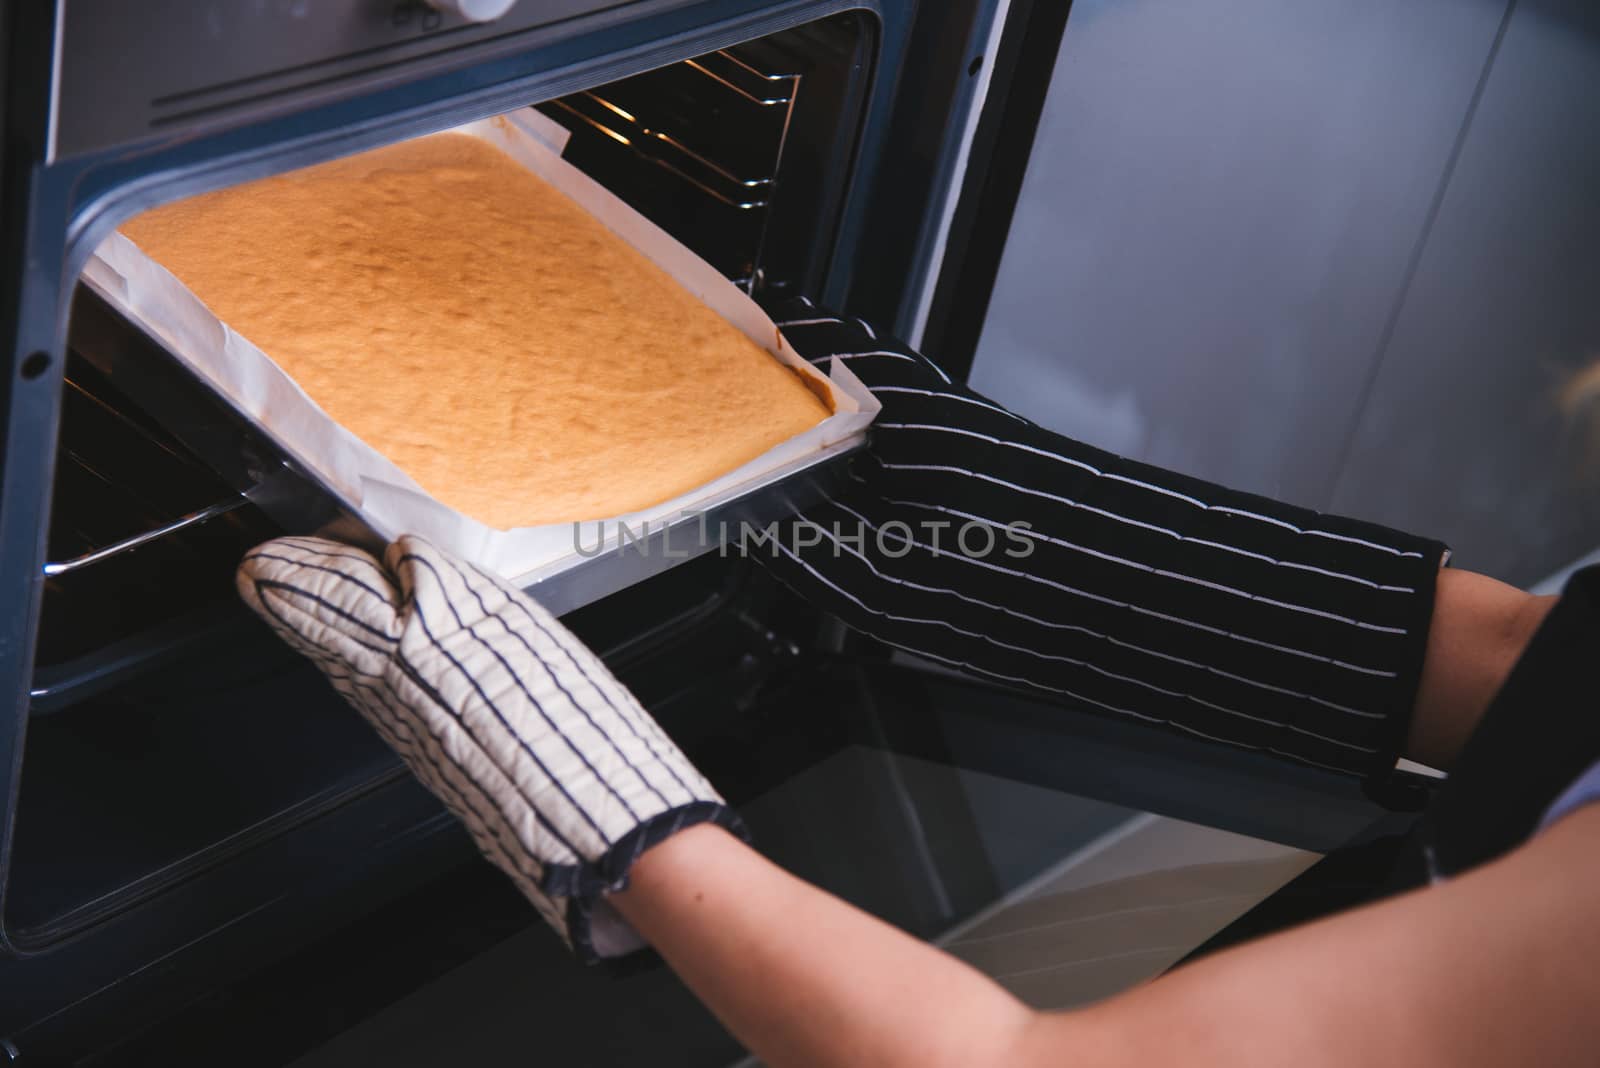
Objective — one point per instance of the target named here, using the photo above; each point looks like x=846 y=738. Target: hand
x=561 y=777
x=973 y=537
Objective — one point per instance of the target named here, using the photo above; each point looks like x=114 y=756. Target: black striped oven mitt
x=977 y=539
x=558 y=773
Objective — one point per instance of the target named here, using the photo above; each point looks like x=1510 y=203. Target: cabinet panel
x=1217 y=220
x=1462 y=437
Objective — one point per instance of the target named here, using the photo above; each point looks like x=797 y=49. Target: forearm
x=800 y=977
x=1426 y=979
x=1480 y=627
x=1494 y=967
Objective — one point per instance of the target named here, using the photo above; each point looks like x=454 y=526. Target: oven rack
x=145 y=485
x=54 y=569
x=731 y=160
x=142 y=539
x=742 y=196
x=666 y=151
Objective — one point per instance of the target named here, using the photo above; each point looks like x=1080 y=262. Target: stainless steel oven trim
x=930 y=256
x=56 y=44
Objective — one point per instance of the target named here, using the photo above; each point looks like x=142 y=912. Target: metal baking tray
x=246 y=458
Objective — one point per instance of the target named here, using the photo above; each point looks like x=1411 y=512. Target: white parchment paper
x=385 y=496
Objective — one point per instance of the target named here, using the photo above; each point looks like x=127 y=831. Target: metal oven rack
x=717 y=124
x=142 y=538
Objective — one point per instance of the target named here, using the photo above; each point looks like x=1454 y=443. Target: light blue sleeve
x=1584 y=789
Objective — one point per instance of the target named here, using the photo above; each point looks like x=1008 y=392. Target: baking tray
x=596 y=558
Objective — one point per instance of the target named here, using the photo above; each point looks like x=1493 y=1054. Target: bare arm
x=1494 y=968
x=804 y=979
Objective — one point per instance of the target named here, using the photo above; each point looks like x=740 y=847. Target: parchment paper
x=385 y=496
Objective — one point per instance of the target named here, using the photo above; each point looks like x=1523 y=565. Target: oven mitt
x=972 y=537
x=558 y=773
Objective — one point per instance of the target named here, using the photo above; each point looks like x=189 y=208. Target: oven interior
x=153 y=687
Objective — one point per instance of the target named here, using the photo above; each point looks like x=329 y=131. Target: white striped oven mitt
x=552 y=765
x=977 y=539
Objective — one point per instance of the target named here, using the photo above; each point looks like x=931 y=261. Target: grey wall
x=1461 y=434
x=1260 y=241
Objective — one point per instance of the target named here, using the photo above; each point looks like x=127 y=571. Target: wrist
x=669 y=860
x=676 y=871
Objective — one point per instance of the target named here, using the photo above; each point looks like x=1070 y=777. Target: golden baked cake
x=480 y=329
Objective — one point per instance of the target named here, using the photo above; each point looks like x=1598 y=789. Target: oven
x=187 y=808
